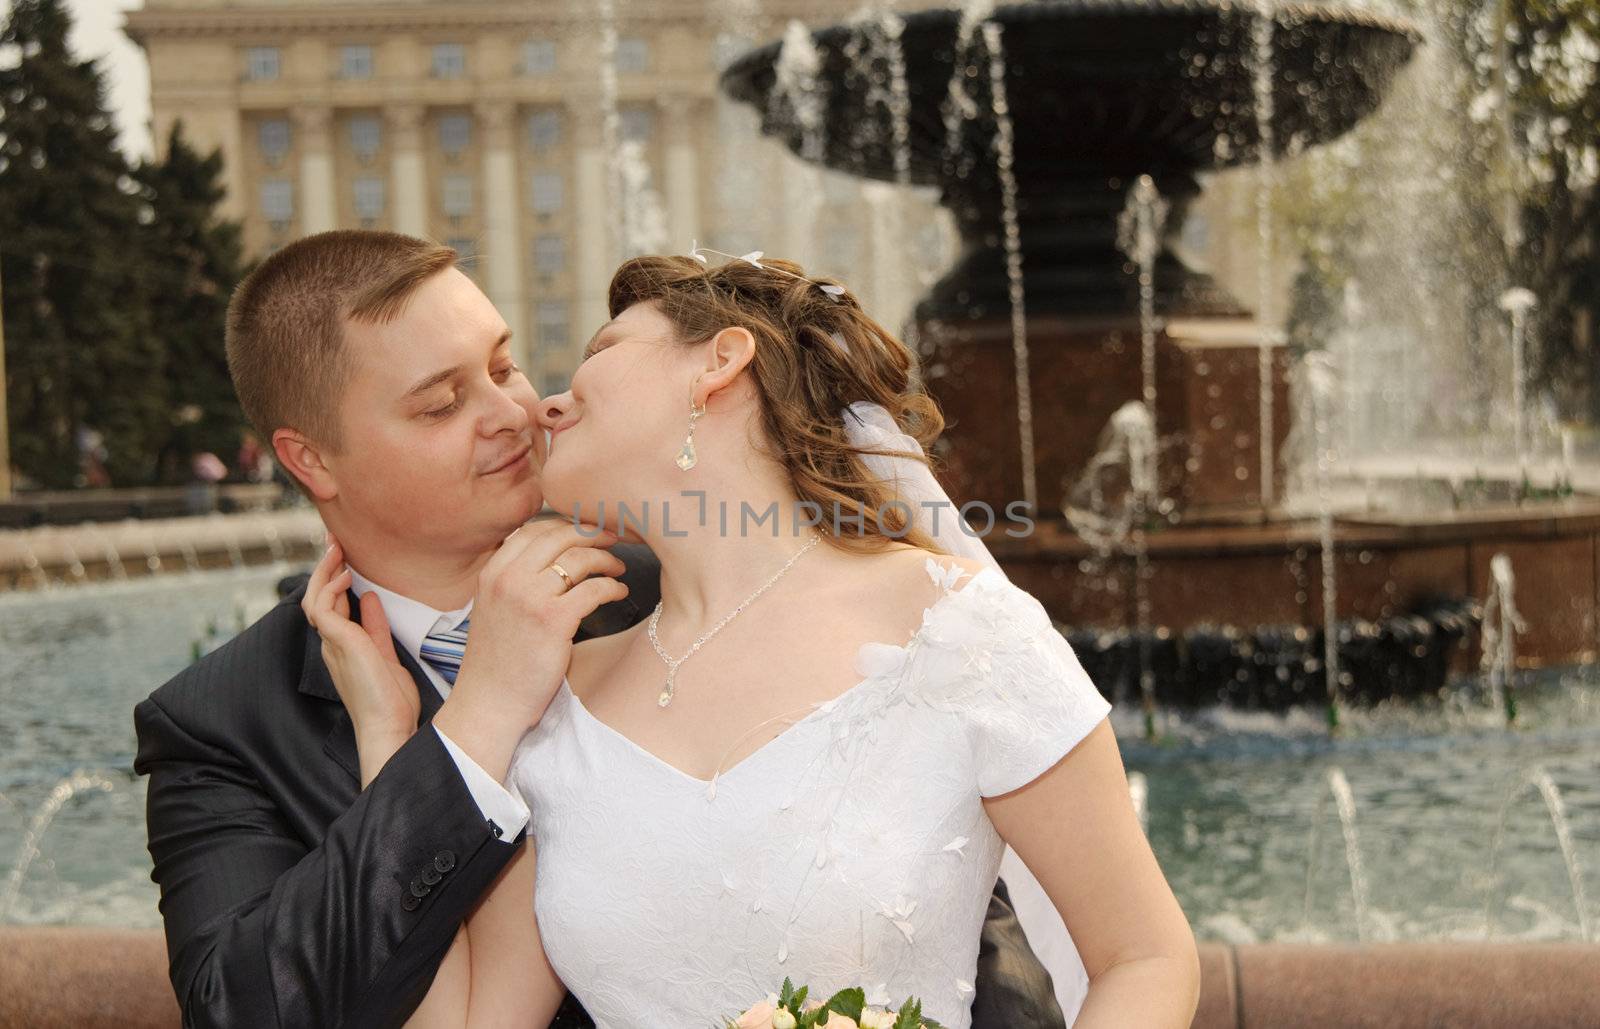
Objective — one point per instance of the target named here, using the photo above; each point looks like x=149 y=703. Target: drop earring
x=686 y=456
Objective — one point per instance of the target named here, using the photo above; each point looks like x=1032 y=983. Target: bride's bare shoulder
x=903 y=573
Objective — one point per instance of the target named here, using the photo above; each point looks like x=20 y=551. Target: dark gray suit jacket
x=292 y=897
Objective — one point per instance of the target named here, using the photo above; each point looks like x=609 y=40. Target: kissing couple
x=498 y=765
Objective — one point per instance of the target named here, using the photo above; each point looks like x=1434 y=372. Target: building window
x=366 y=135
x=547 y=190
x=369 y=198
x=538 y=57
x=355 y=61
x=277 y=203
x=261 y=63
x=633 y=55
x=552 y=323
x=449 y=60
x=638 y=124
x=544 y=130
x=550 y=254
x=457 y=195
x=273 y=135
x=455 y=134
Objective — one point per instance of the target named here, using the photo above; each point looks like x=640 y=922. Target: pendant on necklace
x=666 y=694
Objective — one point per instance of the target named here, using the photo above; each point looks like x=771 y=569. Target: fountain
x=1084 y=136
x=1066 y=137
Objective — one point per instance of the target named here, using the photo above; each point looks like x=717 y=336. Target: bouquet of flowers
x=846 y=1009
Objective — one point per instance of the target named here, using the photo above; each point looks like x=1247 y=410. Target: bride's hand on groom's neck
x=377 y=691
x=523 y=621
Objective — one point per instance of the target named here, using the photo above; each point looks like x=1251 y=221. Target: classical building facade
x=497 y=128
x=483 y=125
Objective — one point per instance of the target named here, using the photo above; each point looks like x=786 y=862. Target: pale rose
x=838 y=1021
x=877 y=1018
x=781 y=1019
x=758 y=1017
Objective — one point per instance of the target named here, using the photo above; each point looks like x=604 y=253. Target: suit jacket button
x=419 y=890
x=444 y=860
x=410 y=903
x=431 y=876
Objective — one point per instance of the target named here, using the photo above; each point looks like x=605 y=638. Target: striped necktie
x=443 y=650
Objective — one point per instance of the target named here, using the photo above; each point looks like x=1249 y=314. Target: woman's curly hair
x=804 y=376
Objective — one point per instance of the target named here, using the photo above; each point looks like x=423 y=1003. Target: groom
x=291 y=895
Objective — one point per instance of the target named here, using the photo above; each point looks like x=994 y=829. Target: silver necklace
x=672 y=663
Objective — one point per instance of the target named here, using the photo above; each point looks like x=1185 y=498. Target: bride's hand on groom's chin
x=523 y=621
x=376 y=689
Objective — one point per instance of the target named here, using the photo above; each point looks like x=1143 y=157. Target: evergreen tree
x=193 y=265
x=79 y=351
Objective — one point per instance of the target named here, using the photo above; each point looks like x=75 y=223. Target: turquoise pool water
x=1452 y=834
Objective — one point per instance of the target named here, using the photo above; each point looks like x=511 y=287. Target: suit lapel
x=316 y=681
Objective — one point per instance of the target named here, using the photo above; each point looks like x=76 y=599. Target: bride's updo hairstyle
x=804 y=377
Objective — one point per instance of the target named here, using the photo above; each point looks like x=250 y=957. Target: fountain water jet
x=64 y=791
x=1344 y=802
x=798 y=87
x=1539 y=778
x=1517 y=302
x=1005 y=167
x=1320 y=389
x=1262 y=29
x=1501 y=621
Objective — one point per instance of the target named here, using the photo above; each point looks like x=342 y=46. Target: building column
x=319 y=210
x=592 y=226
x=502 y=207
x=682 y=135
x=407 y=171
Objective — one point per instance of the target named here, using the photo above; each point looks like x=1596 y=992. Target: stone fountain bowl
x=1099 y=92
x=1120 y=86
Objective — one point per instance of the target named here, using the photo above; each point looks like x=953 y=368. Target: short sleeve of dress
x=1025 y=700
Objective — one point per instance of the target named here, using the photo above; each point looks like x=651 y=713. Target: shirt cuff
x=503 y=809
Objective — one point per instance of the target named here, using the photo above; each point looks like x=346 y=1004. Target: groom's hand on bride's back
x=520 y=643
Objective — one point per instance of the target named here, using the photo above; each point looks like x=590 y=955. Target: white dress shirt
x=411 y=621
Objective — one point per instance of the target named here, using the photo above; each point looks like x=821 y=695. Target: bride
x=808 y=761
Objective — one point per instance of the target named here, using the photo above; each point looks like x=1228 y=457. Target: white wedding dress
x=852 y=849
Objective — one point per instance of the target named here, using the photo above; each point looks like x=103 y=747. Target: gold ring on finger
x=556 y=567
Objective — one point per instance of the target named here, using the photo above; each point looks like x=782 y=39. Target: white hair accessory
x=753 y=258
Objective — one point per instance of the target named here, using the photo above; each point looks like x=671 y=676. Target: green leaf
x=848 y=1002
x=787 y=994
x=910 y=1015
x=799 y=998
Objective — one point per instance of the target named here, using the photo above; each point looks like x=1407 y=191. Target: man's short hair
x=285 y=332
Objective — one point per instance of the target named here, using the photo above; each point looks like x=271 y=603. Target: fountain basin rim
x=754 y=61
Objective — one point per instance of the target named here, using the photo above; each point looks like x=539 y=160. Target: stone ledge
x=72 y=978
